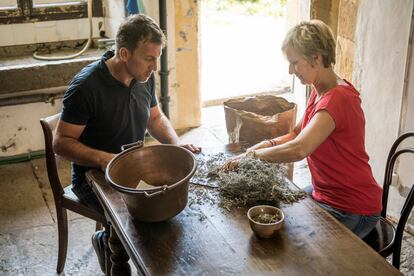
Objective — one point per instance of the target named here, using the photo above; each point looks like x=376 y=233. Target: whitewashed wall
x=20 y=127
x=382 y=40
x=47 y=31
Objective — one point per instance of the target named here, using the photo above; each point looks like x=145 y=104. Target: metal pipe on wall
x=45 y=95
x=165 y=98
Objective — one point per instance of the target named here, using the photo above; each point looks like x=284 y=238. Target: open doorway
x=240 y=49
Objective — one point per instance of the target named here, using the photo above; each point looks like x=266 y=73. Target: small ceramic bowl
x=265 y=220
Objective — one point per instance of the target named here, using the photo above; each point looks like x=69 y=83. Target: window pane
x=8 y=4
x=56 y=2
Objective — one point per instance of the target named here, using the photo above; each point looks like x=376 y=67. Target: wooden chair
x=64 y=198
x=384 y=238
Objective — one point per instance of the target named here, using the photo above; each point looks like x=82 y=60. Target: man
x=110 y=103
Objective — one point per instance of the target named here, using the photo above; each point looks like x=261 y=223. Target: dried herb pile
x=252 y=181
x=267 y=218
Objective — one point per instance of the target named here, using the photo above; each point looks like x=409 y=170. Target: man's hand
x=192 y=148
x=106 y=157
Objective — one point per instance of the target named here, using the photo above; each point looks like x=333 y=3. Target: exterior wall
x=327 y=11
x=345 y=42
x=381 y=47
x=340 y=15
x=187 y=70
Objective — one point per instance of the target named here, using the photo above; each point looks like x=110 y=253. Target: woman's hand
x=232 y=164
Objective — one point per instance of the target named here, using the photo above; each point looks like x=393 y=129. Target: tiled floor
x=28 y=230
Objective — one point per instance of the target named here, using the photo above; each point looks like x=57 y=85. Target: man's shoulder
x=94 y=74
x=87 y=74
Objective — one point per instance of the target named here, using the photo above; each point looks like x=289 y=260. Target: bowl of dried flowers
x=265 y=220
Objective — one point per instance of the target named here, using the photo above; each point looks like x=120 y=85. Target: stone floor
x=28 y=230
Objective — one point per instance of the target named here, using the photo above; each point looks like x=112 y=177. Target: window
x=23 y=11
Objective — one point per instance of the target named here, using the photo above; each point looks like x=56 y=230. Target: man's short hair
x=138 y=28
x=310 y=38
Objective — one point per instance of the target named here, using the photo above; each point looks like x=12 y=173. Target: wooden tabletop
x=205 y=239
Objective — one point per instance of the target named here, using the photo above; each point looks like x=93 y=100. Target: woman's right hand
x=260 y=145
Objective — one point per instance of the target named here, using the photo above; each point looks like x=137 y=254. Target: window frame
x=27 y=13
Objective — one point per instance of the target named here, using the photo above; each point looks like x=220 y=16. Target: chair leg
x=62 y=221
x=396 y=258
x=108 y=263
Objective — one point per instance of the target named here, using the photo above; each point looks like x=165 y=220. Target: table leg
x=119 y=257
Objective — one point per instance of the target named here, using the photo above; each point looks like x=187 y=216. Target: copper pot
x=166 y=167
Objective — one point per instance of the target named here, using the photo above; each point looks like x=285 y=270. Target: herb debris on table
x=253 y=180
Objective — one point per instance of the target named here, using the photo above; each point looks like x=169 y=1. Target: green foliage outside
x=272 y=8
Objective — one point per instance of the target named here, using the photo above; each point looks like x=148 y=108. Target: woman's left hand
x=232 y=164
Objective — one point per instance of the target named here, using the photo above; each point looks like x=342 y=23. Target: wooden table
x=207 y=240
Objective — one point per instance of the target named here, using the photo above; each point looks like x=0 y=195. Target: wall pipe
x=22 y=157
x=45 y=95
x=165 y=98
x=86 y=47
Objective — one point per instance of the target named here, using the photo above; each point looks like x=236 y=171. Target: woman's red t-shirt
x=341 y=175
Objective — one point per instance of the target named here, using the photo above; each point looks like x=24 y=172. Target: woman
x=330 y=135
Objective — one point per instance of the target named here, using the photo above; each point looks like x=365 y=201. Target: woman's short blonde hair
x=310 y=38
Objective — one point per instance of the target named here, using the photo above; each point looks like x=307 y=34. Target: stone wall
x=345 y=40
x=327 y=11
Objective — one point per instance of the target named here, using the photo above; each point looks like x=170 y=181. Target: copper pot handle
x=138 y=143
x=161 y=191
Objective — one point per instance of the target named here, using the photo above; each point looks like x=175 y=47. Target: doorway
x=240 y=49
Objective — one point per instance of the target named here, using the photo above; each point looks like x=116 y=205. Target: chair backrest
x=48 y=126
x=409 y=202
x=389 y=168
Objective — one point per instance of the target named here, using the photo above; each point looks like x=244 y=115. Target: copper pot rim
x=125 y=153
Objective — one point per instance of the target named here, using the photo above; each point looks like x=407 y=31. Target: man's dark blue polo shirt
x=113 y=114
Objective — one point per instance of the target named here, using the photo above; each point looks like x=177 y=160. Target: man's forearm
x=77 y=152
x=162 y=130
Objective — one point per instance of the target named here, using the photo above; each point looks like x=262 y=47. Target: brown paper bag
x=254 y=119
